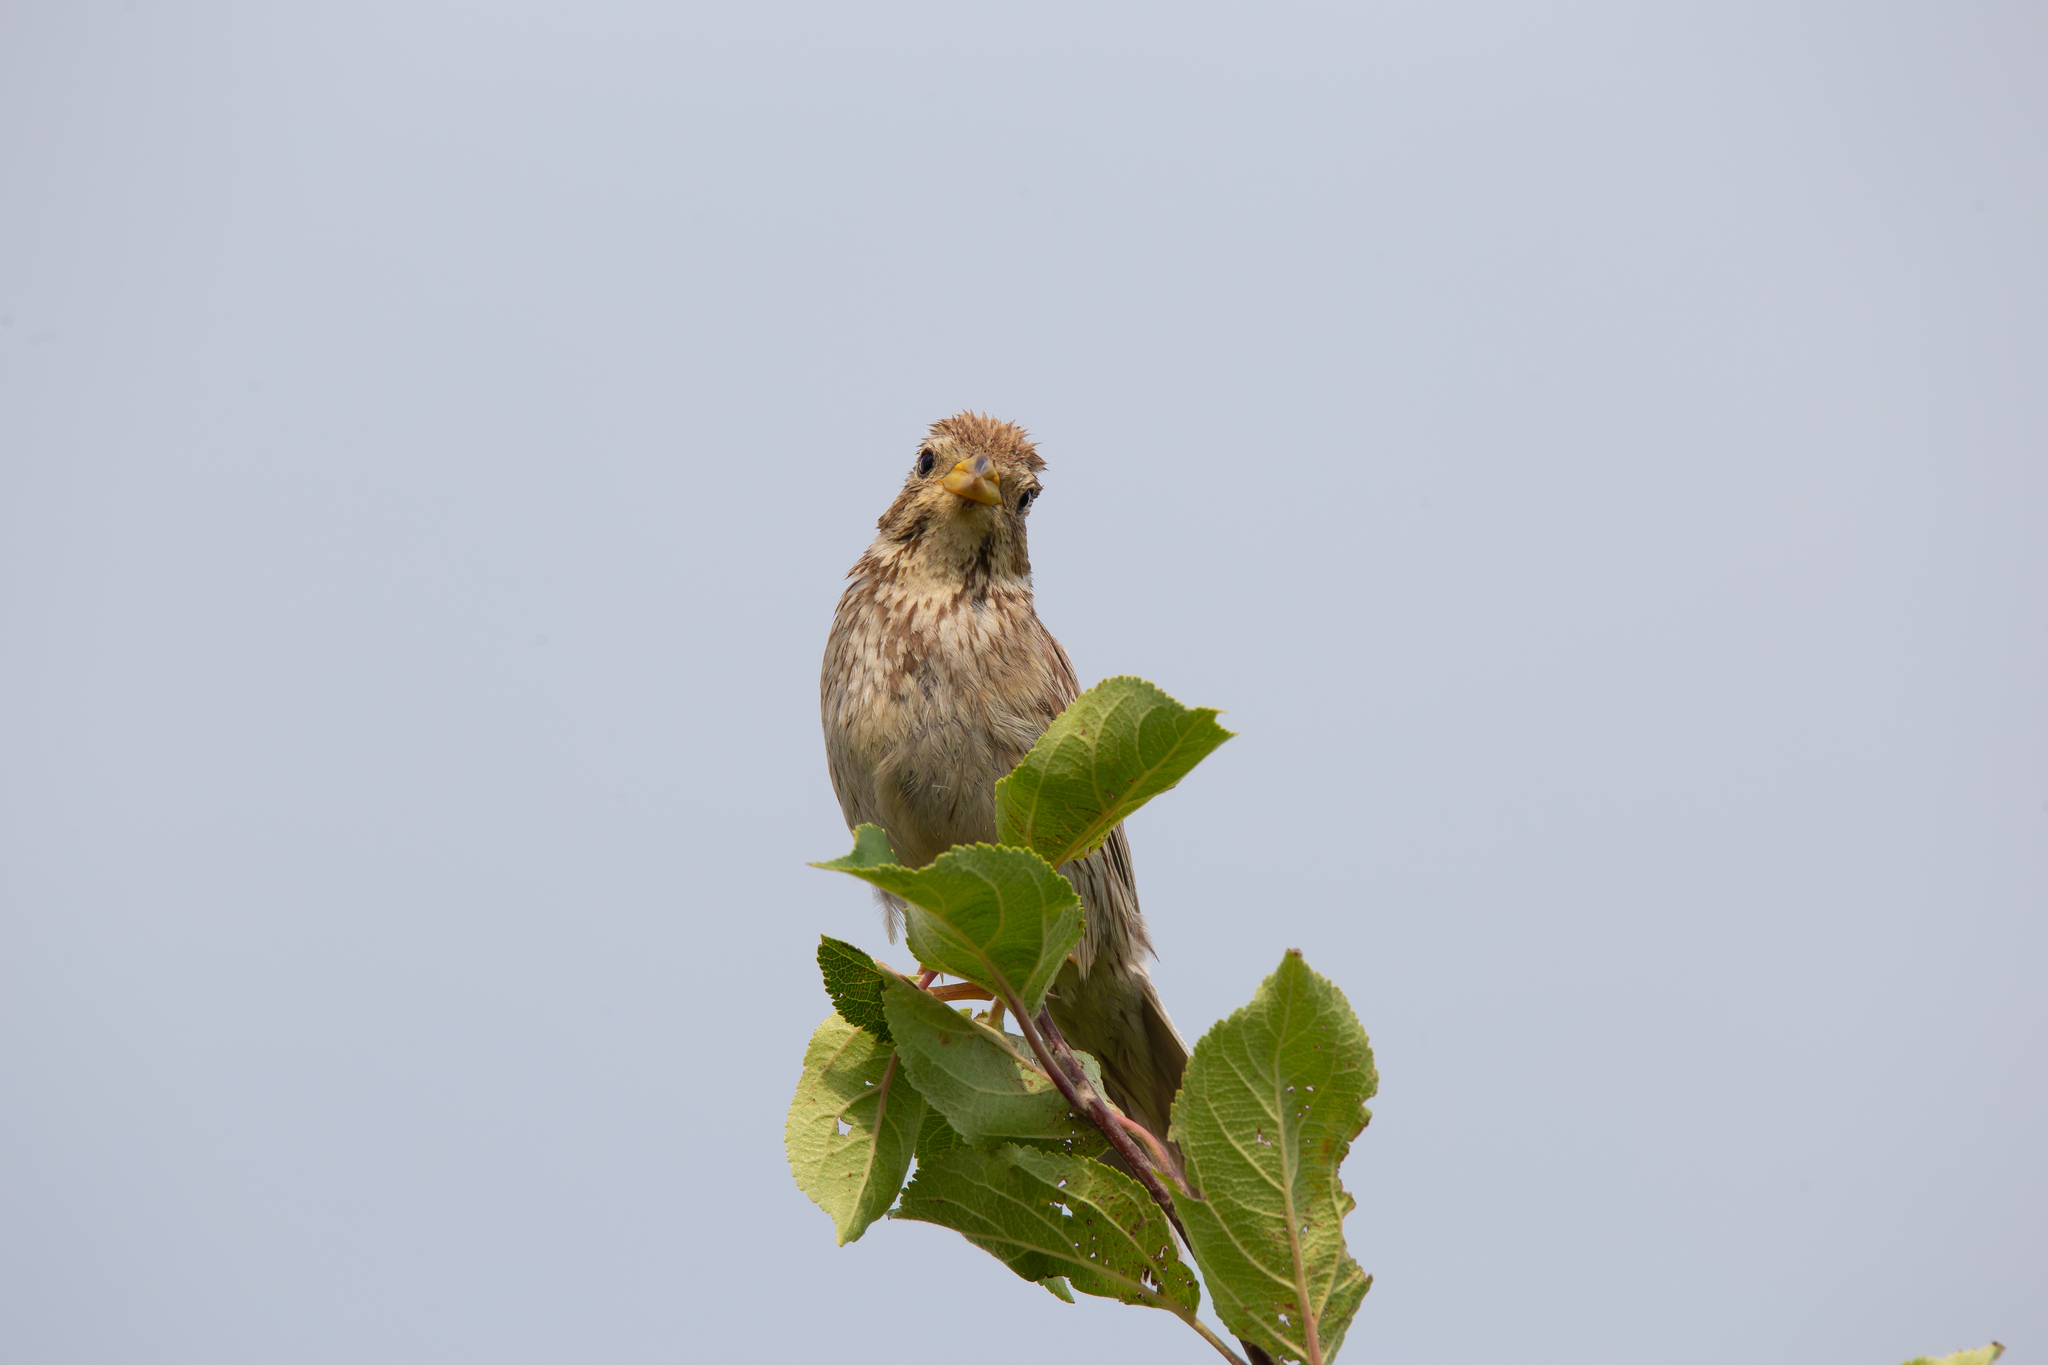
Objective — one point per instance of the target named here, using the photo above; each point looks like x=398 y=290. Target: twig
x=1112 y=1125
x=1159 y=1156
x=1060 y=1064
x=1094 y=1107
x=1064 y=1051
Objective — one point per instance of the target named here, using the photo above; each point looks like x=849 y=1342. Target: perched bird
x=938 y=679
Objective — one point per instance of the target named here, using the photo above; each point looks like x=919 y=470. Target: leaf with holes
x=1002 y=918
x=1272 y=1098
x=984 y=1082
x=1115 y=747
x=1048 y=1215
x=852 y=1126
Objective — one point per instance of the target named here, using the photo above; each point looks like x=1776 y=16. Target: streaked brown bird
x=938 y=679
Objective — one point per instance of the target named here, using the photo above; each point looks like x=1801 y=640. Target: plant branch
x=1112 y=1125
x=1159 y=1156
x=1064 y=1052
x=1066 y=1073
x=1056 y=1057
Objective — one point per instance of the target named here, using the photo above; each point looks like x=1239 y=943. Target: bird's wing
x=1065 y=684
x=1115 y=932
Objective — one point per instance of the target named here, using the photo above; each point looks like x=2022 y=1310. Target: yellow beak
x=976 y=480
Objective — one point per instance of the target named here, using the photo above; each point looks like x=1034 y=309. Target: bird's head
x=960 y=516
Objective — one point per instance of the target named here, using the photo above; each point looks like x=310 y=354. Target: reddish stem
x=1051 y=1049
x=1144 y=1135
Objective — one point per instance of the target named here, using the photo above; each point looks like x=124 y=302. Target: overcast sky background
x=1596 y=453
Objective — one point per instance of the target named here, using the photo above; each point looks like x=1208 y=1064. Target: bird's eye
x=1024 y=502
x=925 y=461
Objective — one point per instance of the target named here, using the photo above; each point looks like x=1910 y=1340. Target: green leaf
x=984 y=1082
x=1115 y=747
x=870 y=849
x=1003 y=918
x=1272 y=1098
x=937 y=1136
x=855 y=984
x=851 y=1078
x=1047 y=1214
x=1983 y=1355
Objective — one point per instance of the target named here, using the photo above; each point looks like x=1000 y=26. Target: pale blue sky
x=1597 y=454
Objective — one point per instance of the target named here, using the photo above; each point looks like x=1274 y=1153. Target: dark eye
x=925 y=461
x=1024 y=499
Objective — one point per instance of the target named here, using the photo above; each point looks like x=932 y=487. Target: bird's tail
x=1115 y=1015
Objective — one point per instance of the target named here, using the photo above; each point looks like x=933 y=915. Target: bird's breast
x=927 y=702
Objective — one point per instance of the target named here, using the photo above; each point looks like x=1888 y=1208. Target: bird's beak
x=976 y=480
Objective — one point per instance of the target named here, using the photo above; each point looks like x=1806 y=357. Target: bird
x=938 y=678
